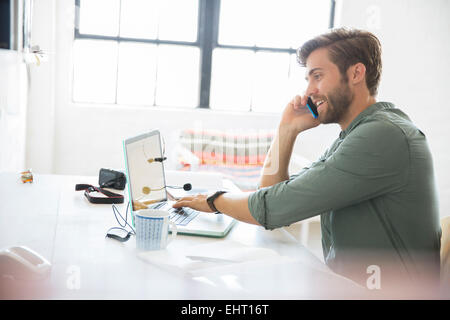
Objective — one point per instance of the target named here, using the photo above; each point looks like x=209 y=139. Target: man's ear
x=357 y=73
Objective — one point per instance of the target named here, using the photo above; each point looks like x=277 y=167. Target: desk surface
x=50 y=217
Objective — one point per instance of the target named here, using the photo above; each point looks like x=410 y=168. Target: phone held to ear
x=312 y=107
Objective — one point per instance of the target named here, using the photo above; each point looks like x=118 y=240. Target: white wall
x=13 y=107
x=41 y=108
x=415 y=35
x=69 y=138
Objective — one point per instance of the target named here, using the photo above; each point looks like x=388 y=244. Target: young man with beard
x=374 y=187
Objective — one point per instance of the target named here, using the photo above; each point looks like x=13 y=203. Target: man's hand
x=197 y=202
x=232 y=204
x=296 y=116
x=137 y=205
x=295 y=119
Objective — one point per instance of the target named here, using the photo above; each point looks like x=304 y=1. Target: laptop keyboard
x=184 y=216
x=180 y=216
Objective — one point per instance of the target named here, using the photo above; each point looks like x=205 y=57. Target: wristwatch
x=211 y=198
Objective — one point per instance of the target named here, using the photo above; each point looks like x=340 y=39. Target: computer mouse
x=22 y=263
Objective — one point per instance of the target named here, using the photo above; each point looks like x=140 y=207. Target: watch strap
x=211 y=198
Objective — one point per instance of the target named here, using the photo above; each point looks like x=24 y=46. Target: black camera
x=112 y=179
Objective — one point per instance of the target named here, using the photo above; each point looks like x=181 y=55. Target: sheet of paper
x=176 y=259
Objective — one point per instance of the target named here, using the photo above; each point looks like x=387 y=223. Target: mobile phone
x=312 y=107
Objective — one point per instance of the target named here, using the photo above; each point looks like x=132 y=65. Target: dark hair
x=346 y=47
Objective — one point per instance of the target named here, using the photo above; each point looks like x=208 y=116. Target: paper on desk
x=176 y=258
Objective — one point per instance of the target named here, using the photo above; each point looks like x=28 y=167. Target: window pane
x=136 y=74
x=178 y=20
x=160 y=19
x=177 y=81
x=99 y=17
x=306 y=26
x=139 y=19
x=237 y=22
x=273 y=22
x=297 y=84
x=271 y=82
x=269 y=23
x=95 y=65
x=231 y=79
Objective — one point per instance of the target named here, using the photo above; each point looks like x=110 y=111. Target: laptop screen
x=146 y=181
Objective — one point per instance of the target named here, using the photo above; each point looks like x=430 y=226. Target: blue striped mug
x=152 y=229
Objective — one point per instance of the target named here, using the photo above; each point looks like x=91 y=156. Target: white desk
x=50 y=217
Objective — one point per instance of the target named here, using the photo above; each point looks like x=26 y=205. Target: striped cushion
x=238 y=156
x=214 y=147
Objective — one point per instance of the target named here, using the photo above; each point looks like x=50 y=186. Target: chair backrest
x=238 y=155
x=445 y=250
x=215 y=147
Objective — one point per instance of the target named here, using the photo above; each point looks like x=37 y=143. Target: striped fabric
x=222 y=148
x=238 y=156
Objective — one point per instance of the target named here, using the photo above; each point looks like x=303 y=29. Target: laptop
x=144 y=160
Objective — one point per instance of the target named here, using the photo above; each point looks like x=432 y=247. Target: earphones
x=122 y=227
x=147 y=190
x=150 y=160
x=185 y=187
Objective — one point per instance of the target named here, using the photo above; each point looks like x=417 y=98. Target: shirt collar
x=365 y=113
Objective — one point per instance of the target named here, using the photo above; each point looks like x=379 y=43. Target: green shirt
x=375 y=191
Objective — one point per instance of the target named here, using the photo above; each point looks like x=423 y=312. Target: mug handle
x=174 y=231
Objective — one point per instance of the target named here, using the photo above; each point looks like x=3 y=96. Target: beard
x=339 y=100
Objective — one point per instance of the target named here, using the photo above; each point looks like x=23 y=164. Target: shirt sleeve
x=371 y=161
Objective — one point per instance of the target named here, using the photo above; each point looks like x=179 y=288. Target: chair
x=239 y=156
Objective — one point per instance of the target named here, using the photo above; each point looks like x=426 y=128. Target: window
x=218 y=54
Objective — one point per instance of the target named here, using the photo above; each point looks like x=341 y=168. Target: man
x=374 y=187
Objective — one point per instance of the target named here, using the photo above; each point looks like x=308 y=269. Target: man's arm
x=276 y=164
x=295 y=119
x=234 y=205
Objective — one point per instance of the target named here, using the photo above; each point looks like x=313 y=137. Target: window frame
x=207 y=41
